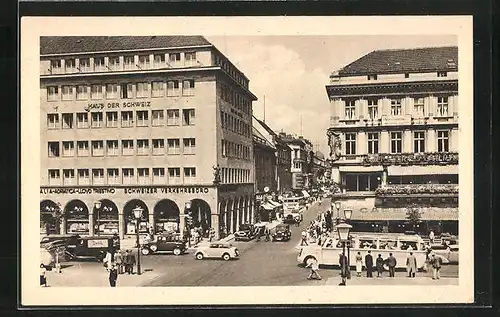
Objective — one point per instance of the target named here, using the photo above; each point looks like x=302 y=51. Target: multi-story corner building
x=264 y=153
x=394 y=137
x=152 y=122
x=300 y=160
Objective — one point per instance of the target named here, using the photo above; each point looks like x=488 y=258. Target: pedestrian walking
x=303 y=241
x=268 y=235
x=431 y=237
x=411 y=265
x=391 y=263
x=314 y=275
x=113 y=275
x=43 y=277
x=128 y=262
x=436 y=266
x=369 y=264
x=380 y=265
x=359 y=264
x=119 y=262
x=343 y=265
x=133 y=261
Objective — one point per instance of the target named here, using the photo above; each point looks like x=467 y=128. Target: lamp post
x=97 y=206
x=187 y=227
x=138 y=215
x=343 y=231
x=347 y=215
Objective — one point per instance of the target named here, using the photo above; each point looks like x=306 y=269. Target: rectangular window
x=173 y=146
x=142 y=90
x=69 y=65
x=174 y=58
x=111 y=119
x=188 y=117
x=129 y=63
x=97 y=148
x=396 y=142
x=189 y=175
x=143 y=147
x=443 y=141
x=54 y=177
x=396 y=107
x=350 y=109
x=82 y=120
x=111 y=91
x=69 y=177
x=158 y=175
x=373 y=108
x=84 y=65
x=372 y=143
x=172 y=88
x=55 y=66
x=189 y=145
x=53 y=121
x=350 y=143
x=159 y=60
x=158 y=147
x=173 y=117
x=96 y=92
x=418 y=107
x=83 y=177
x=442 y=74
x=97 y=119
x=224 y=148
x=142 y=118
x=82 y=148
x=190 y=59
x=82 y=92
x=98 y=176
x=113 y=176
x=99 y=65
x=174 y=175
x=144 y=61
x=112 y=147
x=127 y=147
x=442 y=106
x=143 y=176
x=114 y=63
x=188 y=87
x=127 y=119
x=68 y=148
x=126 y=91
x=128 y=176
x=419 y=141
x=158 y=89
x=158 y=118
x=53 y=149
x=67 y=92
x=52 y=93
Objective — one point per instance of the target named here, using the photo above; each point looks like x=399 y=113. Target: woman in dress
x=359 y=264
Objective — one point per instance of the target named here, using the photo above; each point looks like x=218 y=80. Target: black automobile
x=281 y=233
x=165 y=243
x=247 y=232
x=58 y=240
x=92 y=247
x=292 y=218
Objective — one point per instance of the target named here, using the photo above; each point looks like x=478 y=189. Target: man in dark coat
x=128 y=262
x=369 y=264
x=113 y=276
x=380 y=265
x=391 y=263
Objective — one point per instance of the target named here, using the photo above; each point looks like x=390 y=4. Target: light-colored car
x=216 y=250
x=447 y=253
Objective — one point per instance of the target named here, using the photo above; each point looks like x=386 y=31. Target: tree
x=413 y=215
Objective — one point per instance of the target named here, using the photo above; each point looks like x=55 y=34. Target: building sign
x=115 y=105
x=125 y=190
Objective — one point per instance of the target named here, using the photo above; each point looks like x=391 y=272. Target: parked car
x=281 y=233
x=247 y=232
x=92 y=247
x=217 y=250
x=165 y=243
x=292 y=218
x=58 y=239
x=447 y=253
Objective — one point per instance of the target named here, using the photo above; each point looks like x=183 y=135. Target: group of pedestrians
x=118 y=262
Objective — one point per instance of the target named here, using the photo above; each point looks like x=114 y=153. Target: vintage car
x=292 y=218
x=92 y=247
x=217 y=250
x=447 y=253
x=247 y=232
x=281 y=233
x=60 y=239
x=165 y=243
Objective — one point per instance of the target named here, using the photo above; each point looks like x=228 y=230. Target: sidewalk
x=398 y=280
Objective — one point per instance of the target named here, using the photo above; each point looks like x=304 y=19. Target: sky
x=292 y=71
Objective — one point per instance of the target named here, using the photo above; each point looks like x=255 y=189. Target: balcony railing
x=435 y=158
x=418 y=189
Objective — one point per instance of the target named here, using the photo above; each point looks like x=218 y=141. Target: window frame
x=350 y=144
x=394 y=142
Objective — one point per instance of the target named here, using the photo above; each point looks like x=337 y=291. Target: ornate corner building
x=150 y=122
x=393 y=138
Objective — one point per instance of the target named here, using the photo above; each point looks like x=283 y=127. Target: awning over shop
x=306 y=194
x=399 y=214
x=267 y=206
x=360 y=169
x=422 y=170
x=275 y=204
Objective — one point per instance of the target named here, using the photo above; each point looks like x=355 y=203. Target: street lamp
x=97 y=206
x=343 y=231
x=347 y=216
x=187 y=207
x=138 y=215
x=337 y=207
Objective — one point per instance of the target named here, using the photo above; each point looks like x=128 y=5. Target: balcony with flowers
x=422 y=190
x=402 y=159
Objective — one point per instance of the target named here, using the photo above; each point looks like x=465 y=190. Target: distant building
x=300 y=166
x=264 y=153
x=318 y=168
x=394 y=138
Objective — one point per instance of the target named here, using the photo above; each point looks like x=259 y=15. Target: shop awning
x=399 y=214
x=274 y=203
x=360 y=169
x=422 y=170
x=306 y=194
x=268 y=206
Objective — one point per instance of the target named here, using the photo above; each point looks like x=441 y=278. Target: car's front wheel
x=226 y=257
x=177 y=251
x=145 y=251
x=199 y=256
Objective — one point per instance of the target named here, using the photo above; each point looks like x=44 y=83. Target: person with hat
x=436 y=265
x=113 y=275
x=411 y=265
